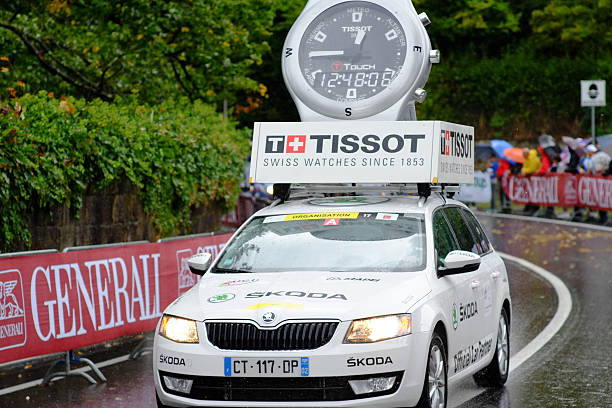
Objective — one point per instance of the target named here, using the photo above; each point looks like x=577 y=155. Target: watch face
x=352 y=51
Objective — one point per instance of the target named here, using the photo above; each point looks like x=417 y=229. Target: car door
x=455 y=292
x=471 y=321
x=491 y=279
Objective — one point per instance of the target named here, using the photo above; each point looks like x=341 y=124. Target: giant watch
x=358 y=60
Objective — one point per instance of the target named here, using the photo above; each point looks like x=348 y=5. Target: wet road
x=573 y=370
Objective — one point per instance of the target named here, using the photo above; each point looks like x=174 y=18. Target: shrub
x=179 y=154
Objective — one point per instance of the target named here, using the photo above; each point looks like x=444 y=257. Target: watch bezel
x=406 y=81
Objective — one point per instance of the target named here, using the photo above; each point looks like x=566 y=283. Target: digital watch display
x=358 y=59
x=352 y=51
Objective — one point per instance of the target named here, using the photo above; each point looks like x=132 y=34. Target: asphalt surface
x=573 y=370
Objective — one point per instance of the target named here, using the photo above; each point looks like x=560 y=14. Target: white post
x=593 y=140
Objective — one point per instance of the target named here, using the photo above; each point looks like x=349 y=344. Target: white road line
x=564 y=308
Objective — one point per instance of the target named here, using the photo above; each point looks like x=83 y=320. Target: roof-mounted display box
x=362 y=152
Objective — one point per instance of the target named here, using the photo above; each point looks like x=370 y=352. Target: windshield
x=337 y=242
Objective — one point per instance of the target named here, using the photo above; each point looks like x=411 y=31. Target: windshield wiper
x=225 y=270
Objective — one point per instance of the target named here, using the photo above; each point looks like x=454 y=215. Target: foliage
x=179 y=154
x=581 y=27
x=523 y=91
x=158 y=49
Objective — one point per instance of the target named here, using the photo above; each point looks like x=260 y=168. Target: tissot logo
x=275 y=144
x=296 y=143
x=456 y=144
x=331 y=144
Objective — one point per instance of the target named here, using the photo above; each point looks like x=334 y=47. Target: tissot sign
x=365 y=152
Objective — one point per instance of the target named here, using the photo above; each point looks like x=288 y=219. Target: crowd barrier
x=54 y=302
x=561 y=189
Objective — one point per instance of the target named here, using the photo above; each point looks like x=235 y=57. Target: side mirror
x=459 y=262
x=199 y=263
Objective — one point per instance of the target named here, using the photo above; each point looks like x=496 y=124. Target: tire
x=496 y=373
x=435 y=386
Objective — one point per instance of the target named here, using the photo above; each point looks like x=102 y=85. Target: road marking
x=564 y=308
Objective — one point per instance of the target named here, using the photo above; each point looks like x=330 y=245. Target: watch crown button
x=434 y=56
x=420 y=94
x=424 y=19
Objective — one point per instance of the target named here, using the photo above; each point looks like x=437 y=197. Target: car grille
x=290 y=336
x=278 y=389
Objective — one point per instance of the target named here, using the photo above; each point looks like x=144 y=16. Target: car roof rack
x=286 y=192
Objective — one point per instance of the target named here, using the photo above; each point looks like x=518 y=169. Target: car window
x=482 y=241
x=443 y=236
x=462 y=231
x=339 y=242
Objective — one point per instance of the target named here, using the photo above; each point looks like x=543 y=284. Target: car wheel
x=496 y=373
x=435 y=390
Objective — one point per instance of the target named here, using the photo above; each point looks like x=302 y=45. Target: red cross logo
x=296 y=144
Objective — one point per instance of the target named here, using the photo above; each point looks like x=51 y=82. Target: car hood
x=300 y=295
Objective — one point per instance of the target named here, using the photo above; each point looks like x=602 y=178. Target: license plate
x=266 y=367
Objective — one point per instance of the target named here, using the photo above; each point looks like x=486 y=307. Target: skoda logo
x=268 y=317
x=455 y=322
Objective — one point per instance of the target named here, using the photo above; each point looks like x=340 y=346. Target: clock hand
x=360 y=36
x=324 y=53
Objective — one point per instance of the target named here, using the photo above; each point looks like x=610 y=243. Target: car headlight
x=179 y=329
x=379 y=328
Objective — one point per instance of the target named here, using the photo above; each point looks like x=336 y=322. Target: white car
x=374 y=301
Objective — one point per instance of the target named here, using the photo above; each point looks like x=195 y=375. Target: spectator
x=503 y=170
x=549 y=212
x=532 y=165
x=598 y=163
x=492 y=171
x=572 y=168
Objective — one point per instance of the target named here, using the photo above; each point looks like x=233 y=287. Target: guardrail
x=57 y=302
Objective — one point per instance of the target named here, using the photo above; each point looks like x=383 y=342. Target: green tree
x=575 y=27
x=158 y=49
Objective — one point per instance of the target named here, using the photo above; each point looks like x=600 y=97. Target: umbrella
x=499 y=146
x=515 y=154
x=484 y=152
x=577 y=145
x=605 y=143
x=546 y=141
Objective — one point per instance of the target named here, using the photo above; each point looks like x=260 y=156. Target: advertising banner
x=479 y=192
x=362 y=152
x=563 y=190
x=62 y=301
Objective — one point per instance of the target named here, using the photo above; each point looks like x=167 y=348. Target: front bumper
x=327 y=383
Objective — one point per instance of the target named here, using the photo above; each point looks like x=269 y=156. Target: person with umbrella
x=532 y=165
x=598 y=162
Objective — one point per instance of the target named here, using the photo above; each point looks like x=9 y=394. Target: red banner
x=62 y=301
x=562 y=190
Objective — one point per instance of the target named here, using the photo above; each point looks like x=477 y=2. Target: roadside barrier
x=561 y=190
x=52 y=302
